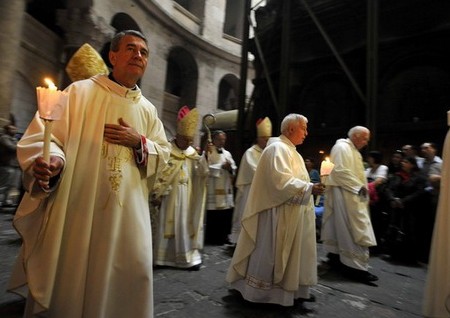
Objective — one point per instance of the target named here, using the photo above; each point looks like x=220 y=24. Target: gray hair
x=115 y=42
x=356 y=131
x=291 y=119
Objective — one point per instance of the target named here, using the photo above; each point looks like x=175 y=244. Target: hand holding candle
x=325 y=169
x=51 y=103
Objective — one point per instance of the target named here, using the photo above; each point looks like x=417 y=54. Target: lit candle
x=51 y=103
x=325 y=169
x=51 y=86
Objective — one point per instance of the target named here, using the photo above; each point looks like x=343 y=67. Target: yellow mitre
x=86 y=62
x=264 y=127
x=187 y=121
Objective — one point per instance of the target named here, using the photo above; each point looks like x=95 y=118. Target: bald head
x=360 y=136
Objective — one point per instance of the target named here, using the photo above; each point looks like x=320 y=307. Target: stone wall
x=43 y=53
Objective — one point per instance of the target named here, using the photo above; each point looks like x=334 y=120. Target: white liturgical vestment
x=275 y=257
x=220 y=193
x=182 y=188
x=246 y=171
x=87 y=248
x=346 y=225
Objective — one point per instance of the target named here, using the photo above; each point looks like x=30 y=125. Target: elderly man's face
x=361 y=140
x=299 y=133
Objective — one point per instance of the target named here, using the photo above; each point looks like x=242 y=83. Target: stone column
x=82 y=25
x=11 y=20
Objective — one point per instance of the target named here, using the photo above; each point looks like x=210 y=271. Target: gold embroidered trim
x=116 y=156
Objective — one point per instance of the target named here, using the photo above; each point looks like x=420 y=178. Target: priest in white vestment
x=84 y=219
x=275 y=258
x=181 y=189
x=246 y=171
x=347 y=230
x=220 y=190
x=437 y=287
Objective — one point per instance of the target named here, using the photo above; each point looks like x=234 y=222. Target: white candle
x=326 y=167
x=51 y=103
x=47 y=139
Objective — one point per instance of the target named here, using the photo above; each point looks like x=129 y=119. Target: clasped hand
x=122 y=134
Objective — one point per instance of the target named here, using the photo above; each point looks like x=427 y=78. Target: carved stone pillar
x=11 y=20
x=82 y=25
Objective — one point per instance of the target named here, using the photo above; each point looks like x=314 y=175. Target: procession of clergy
x=270 y=222
x=273 y=223
x=272 y=229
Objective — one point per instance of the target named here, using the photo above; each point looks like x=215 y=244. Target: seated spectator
x=376 y=175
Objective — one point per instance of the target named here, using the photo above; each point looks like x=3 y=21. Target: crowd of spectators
x=403 y=201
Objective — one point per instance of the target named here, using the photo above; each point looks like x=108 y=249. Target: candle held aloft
x=51 y=103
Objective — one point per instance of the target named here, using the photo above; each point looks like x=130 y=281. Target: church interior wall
x=41 y=53
x=39 y=57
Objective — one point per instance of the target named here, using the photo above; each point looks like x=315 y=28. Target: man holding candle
x=347 y=230
x=275 y=259
x=85 y=219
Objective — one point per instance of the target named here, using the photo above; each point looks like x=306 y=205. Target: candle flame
x=50 y=84
x=326 y=167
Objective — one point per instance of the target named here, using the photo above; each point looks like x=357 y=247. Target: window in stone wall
x=196 y=7
x=181 y=83
x=234 y=14
x=228 y=92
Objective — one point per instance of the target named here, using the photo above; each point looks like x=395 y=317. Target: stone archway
x=228 y=93
x=180 y=85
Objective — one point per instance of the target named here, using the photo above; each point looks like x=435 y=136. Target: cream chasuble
x=345 y=210
x=182 y=187
x=246 y=171
x=275 y=257
x=87 y=248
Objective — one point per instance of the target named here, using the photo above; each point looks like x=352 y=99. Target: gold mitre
x=187 y=121
x=86 y=62
x=264 y=127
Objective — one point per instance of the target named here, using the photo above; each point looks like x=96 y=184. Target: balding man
x=275 y=259
x=347 y=231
